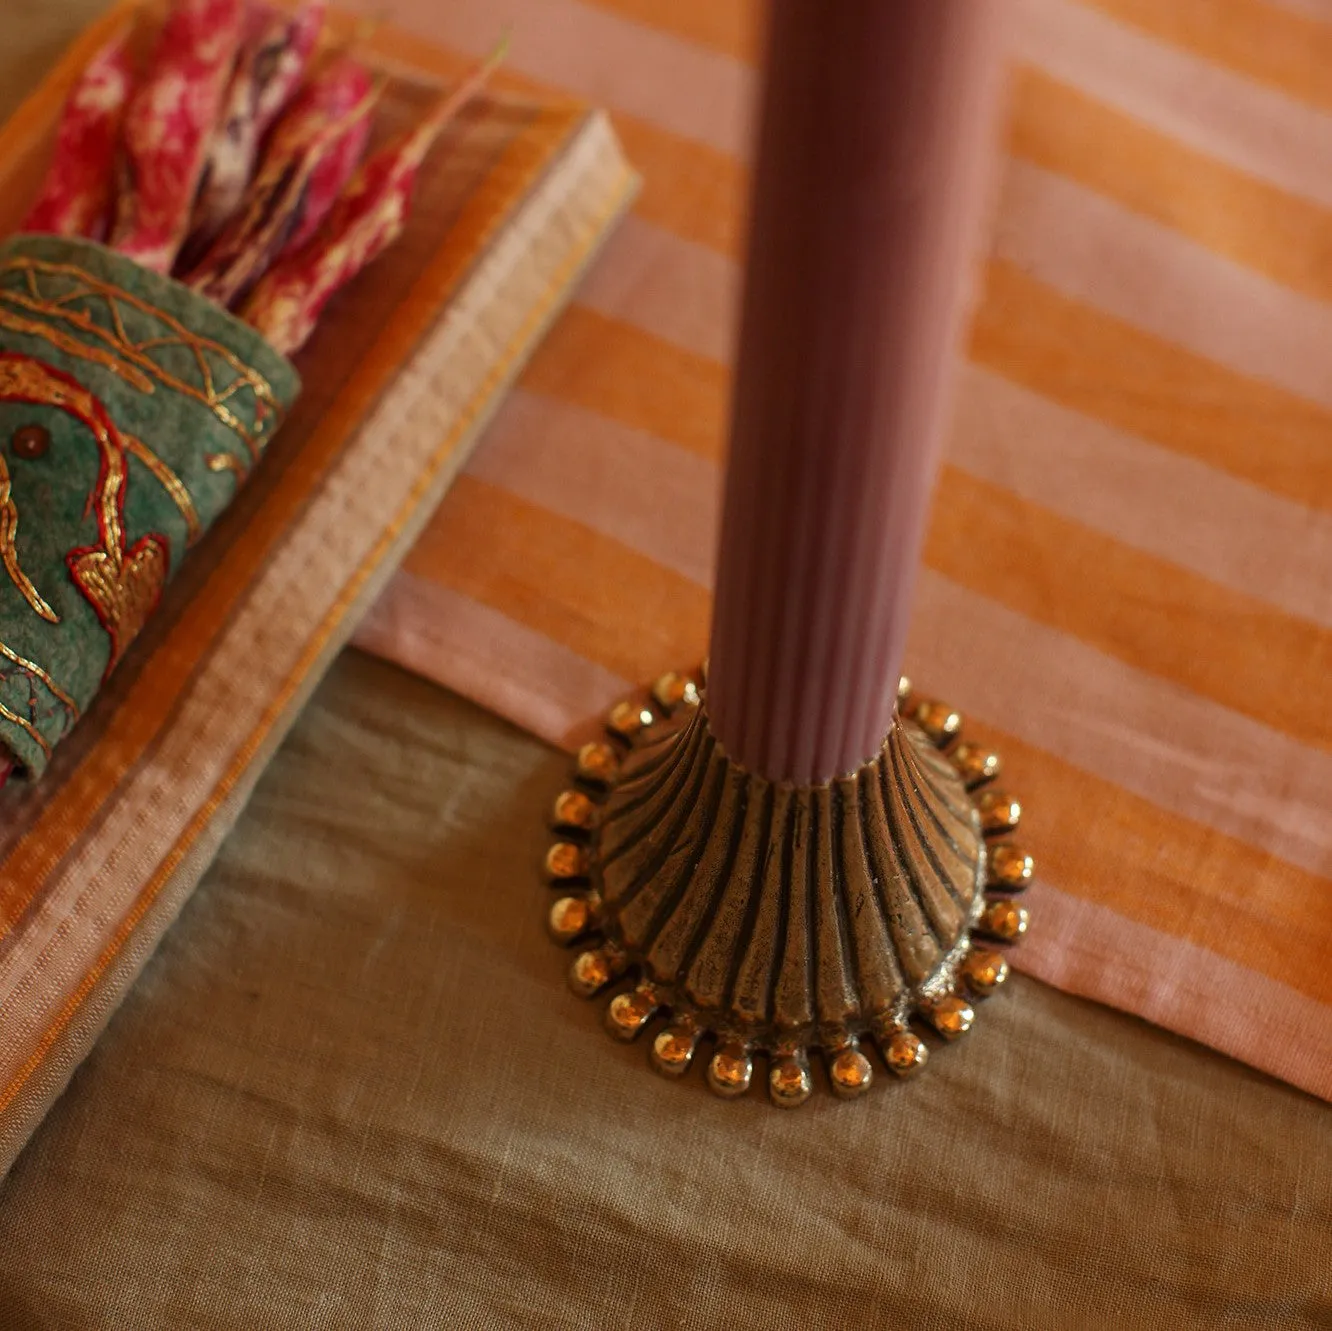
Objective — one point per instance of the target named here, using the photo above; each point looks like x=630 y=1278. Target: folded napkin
x=1129 y=570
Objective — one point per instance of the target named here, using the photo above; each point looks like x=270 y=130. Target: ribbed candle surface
x=874 y=158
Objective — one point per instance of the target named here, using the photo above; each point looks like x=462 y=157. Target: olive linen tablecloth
x=351 y=1091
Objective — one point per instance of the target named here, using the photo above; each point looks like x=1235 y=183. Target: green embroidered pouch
x=131 y=409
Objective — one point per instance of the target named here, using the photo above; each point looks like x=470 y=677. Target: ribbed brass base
x=779 y=919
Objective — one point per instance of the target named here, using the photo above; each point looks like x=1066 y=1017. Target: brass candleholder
x=779 y=919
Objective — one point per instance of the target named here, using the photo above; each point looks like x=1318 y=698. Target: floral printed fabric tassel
x=328 y=178
x=169 y=126
x=334 y=104
x=272 y=61
x=75 y=197
x=287 y=302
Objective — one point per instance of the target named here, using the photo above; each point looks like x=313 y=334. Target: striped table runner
x=1129 y=567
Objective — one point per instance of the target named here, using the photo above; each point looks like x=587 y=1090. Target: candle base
x=784 y=920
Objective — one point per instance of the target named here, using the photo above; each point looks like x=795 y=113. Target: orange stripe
x=1137 y=607
x=1026 y=331
x=1108 y=369
x=1152 y=614
x=1276 y=233
x=1266 y=43
x=1045 y=566
x=1099 y=842
x=72 y=808
x=728 y=26
x=635 y=378
x=688 y=188
x=581 y=589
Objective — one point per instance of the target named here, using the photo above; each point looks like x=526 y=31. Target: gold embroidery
x=32 y=668
x=227 y=462
x=24 y=724
x=166 y=477
x=30 y=672
x=122 y=586
x=71 y=346
x=123 y=589
x=118 y=338
x=268 y=410
x=9 y=520
x=169 y=481
x=28 y=380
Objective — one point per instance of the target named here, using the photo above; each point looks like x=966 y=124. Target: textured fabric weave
x=352 y=1091
x=1128 y=583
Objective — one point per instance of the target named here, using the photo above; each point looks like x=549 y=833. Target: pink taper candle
x=875 y=152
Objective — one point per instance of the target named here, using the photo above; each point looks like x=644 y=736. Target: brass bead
x=1010 y=869
x=903 y=688
x=565 y=862
x=998 y=812
x=1003 y=919
x=939 y=721
x=789 y=1082
x=672 y=691
x=975 y=764
x=574 y=809
x=629 y=1013
x=984 y=972
x=673 y=1050
x=905 y=1053
x=951 y=1016
x=730 y=1070
x=598 y=763
x=849 y=1073
x=570 y=918
x=590 y=971
x=628 y=718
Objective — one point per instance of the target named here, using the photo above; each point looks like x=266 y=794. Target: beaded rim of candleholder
x=716 y=906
